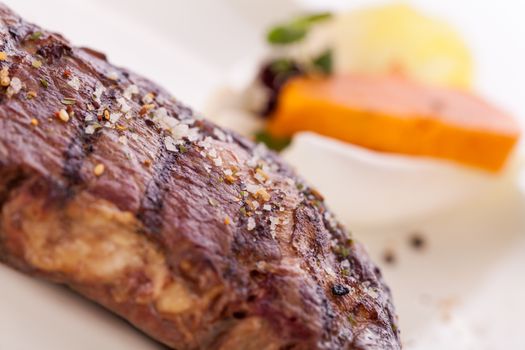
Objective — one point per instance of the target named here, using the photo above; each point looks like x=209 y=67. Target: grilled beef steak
x=193 y=234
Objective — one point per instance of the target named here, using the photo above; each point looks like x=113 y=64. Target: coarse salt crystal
x=99 y=90
x=212 y=153
x=345 y=264
x=148 y=98
x=114 y=117
x=193 y=134
x=74 y=82
x=161 y=113
x=252 y=188
x=179 y=131
x=113 y=75
x=90 y=129
x=267 y=207
x=206 y=143
x=188 y=121
x=217 y=161
x=252 y=162
x=161 y=100
x=170 y=144
x=260 y=150
x=124 y=106
x=372 y=292
x=220 y=135
x=167 y=123
x=259 y=177
x=251 y=224
x=274 y=221
x=14 y=87
x=130 y=91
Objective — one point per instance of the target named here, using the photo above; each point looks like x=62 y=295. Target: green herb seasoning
x=286 y=34
x=352 y=320
x=342 y=251
x=35 y=36
x=295 y=30
x=282 y=65
x=68 y=101
x=316 y=17
x=44 y=83
x=324 y=62
x=275 y=143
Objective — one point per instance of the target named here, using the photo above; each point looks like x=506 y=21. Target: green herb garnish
x=272 y=142
x=286 y=34
x=183 y=149
x=295 y=30
x=351 y=319
x=68 y=101
x=324 y=62
x=44 y=83
x=36 y=36
x=342 y=251
x=282 y=65
x=316 y=17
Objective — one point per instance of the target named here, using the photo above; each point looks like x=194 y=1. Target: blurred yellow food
x=393 y=114
x=400 y=39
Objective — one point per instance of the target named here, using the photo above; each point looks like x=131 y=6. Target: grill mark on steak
x=150 y=212
x=80 y=146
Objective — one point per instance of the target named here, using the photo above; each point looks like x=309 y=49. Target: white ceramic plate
x=464 y=290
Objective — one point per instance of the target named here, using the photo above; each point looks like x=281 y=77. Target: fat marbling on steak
x=190 y=232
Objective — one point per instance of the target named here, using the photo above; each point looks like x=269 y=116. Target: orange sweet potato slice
x=393 y=114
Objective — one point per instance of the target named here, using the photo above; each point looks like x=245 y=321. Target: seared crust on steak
x=190 y=232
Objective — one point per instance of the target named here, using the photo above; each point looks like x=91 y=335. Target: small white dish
x=369 y=188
